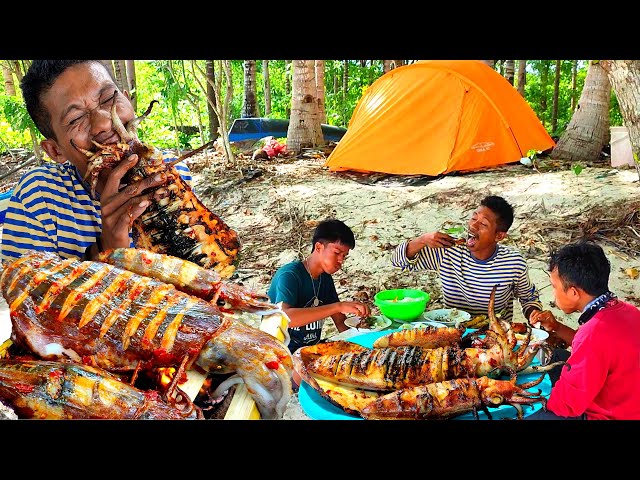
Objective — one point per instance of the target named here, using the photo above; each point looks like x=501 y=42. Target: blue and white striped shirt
x=467 y=282
x=51 y=209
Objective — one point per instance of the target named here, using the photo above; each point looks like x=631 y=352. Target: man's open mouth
x=472 y=240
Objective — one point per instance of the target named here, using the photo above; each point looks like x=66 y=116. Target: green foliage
x=577 y=168
x=540 y=97
x=615 y=116
x=15 y=112
x=173 y=82
x=14 y=123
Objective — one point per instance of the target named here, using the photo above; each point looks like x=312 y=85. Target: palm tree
x=131 y=83
x=522 y=76
x=304 y=126
x=250 y=99
x=624 y=76
x=588 y=129
x=319 y=75
x=266 y=88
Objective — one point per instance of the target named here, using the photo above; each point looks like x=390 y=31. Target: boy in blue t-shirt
x=306 y=288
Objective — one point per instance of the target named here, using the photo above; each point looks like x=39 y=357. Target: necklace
x=316 y=300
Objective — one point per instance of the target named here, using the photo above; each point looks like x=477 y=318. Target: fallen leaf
x=632 y=272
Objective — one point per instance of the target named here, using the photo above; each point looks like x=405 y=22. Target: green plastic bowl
x=402 y=303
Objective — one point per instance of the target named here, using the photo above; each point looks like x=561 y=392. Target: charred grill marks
x=158 y=311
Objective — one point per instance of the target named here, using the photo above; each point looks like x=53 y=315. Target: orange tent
x=438 y=116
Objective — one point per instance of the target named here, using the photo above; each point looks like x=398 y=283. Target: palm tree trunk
x=120 y=69
x=131 y=83
x=266 y=87
x=304 y=127
x=588 y=129
x=319 y=76
x=574 y=85
x=522 y=76
x=509 y=71
x=624 y=76
x=250 y=98
x=9 y=85
x=556 y=96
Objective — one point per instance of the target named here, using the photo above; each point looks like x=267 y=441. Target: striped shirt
x=51 y=209
x=467 y=282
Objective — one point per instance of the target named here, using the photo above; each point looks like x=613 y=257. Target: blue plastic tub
x=3 y=205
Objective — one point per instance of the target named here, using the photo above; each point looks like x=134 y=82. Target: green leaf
x=577 y=168
x=454 y=230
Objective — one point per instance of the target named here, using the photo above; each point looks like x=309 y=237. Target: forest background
x=198 y=99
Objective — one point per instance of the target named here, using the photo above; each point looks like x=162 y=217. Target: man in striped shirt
x=470 y=270
x=52 y=207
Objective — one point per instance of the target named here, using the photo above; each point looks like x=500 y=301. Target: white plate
x=5 y=321
x=449 y=317
x=382 y=321
x=537 y=335
x=424 y=324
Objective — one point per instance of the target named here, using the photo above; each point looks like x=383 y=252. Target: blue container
x=3 y=205
x=260 y=127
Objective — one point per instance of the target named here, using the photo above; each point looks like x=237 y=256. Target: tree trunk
x=574 y=85
x=218 y=103
x=304 y=127
x=266 y=87
x=19 y=67
x=556 y=96
x=544 y=82
x=250 y=98
x=588 y=129
x=624 y=76
x=509 y=71
x=345 y=89
x=9 y=85
x=287 y=82
x=522 y=76
x=214 y=124
x=131 y=83
x=491 y=63
x=319 y=76
x=397 y=63
x=120 y=69
x=386 y=66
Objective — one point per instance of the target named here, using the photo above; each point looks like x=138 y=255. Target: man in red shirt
x=602 y=380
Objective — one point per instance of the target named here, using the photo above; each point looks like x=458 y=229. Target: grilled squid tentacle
x=263 y=363
x=132 y=126
x=225 y=385
x=190 y=278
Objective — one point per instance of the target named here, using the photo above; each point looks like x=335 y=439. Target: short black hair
x=583 y=265
x=39 y=78
x=502 y=209
x=332 y=231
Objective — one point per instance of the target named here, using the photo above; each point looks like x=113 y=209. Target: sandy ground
x=275 y=213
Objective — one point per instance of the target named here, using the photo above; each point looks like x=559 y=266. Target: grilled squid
x=100 y=315
x=176 y=223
